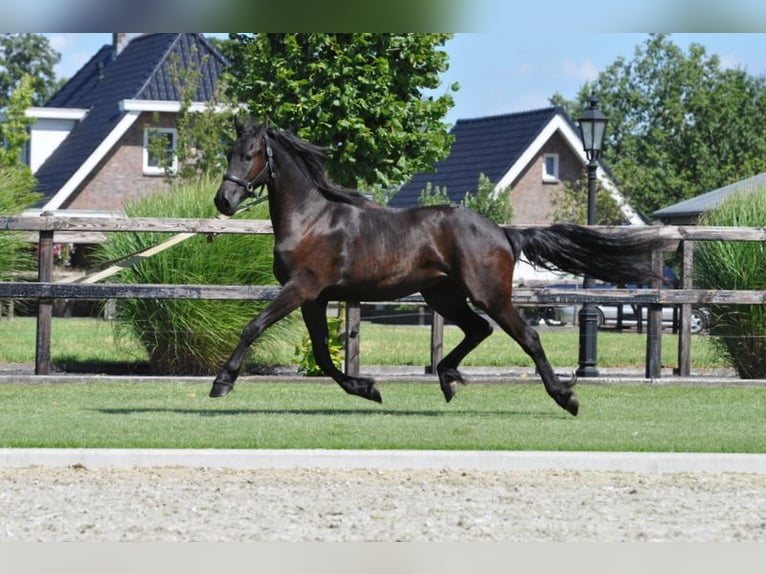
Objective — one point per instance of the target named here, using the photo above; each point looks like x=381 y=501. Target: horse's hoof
x=448 y=380
x=449 y=389
x=569 y=403
x=221 y=389
x=373 y=393
x=362 y=387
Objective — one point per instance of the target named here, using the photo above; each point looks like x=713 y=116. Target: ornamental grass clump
x=16 y=254
x=739 y=331
x=195 y=337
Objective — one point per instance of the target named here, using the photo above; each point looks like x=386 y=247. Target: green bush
x=16 y=254
x=195 y=337
x=739 y=331
x=307 y=364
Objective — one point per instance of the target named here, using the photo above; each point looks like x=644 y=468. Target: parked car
x=608 y=314
x=671 y=316
x=608 y=317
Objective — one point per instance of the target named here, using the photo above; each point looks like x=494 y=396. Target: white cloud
x=583 y=71
x=730 y=62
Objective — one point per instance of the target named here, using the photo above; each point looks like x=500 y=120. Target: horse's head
x=249 y=167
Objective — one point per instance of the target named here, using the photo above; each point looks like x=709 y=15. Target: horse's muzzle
x=223 y=204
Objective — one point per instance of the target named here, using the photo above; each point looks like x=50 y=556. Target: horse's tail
x=620 y=256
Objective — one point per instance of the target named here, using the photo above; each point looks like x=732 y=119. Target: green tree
x=358 y=94
x=16 y=179
x=679 y=123
x=570 y=204
x=201 y=134
x=27 y=55
x=495 y=206
x=431 y=195
x=14 y=125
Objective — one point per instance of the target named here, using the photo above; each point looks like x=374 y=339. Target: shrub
x=195 y=337
x=16 y=254
x=335 y=345
x=739 y=331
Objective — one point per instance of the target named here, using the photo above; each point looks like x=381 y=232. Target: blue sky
x=502 y=72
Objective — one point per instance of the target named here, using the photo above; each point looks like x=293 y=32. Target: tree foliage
x=570 y=204
x=680 y=123
x=27 y=55
x=201 y=134
x=358 y=94
x=13 y=128
x=16 y=179
x=493 y=205
x=433 y=195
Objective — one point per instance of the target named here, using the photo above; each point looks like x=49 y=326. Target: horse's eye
x=247 y=157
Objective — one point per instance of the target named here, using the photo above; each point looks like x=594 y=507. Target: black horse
x=332 y=243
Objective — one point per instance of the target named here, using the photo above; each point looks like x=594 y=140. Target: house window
x=160 y=151
x=551 y=167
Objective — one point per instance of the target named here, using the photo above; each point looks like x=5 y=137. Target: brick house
x=89 y=146
x=533 y=153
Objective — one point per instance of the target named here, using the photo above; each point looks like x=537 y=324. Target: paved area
x=496 y=461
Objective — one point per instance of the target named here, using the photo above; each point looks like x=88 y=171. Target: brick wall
x=119 y=177
x=531 y=197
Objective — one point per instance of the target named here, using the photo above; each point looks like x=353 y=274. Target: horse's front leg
x=315 y=317
x=288 y=300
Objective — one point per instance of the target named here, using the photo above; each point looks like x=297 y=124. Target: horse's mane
x=313 y=158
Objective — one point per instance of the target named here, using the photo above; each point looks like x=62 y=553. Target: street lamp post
x=592 y=126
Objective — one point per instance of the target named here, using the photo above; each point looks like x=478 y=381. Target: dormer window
x=160 y=151
x=551 y=167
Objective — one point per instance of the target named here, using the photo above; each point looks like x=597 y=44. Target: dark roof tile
x=489 y=145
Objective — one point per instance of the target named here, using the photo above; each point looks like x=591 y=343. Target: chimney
x=120 y=40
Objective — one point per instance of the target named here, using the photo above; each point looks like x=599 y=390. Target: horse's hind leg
x=315 y=317
x=511 y=322
x=450 y=302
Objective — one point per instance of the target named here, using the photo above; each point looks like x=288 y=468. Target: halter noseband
x=253 y=183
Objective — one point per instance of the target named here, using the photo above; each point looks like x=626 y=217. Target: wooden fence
x=52 y=230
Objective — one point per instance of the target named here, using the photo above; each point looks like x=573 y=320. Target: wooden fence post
x=437 y=341
x=44 y=306
x=353 y=324
x=684 y=334
x=654 y=326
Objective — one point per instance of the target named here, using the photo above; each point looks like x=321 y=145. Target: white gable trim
x=557 y=123
x=630 y=214
x=72 y=114
x=572 y=138
x=168 y=106
x=90 y=164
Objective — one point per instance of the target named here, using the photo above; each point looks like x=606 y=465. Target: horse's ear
x=239 y=125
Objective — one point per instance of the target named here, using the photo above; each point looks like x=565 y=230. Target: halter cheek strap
x=253 y=183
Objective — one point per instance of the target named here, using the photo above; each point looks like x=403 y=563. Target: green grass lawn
x=313 y=414
x=92 y=340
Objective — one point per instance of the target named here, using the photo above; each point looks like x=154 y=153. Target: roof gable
x=489 y=145
x=143 y=70
x=693 y=207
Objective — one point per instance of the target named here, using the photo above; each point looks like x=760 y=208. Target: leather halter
x=251 y=185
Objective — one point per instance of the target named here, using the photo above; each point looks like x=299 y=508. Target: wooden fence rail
x=51 y=229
